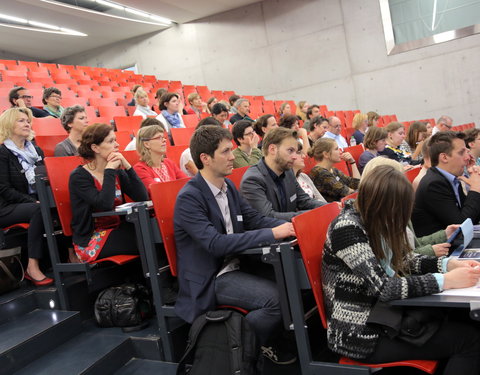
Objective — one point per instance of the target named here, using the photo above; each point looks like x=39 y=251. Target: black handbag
x=11 y=269
x=415 y=325
x=127 y=305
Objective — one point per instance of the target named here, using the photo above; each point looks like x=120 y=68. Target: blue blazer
x=202 y=243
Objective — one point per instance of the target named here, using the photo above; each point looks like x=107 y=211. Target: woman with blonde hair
x=18 y=194
x=368 y=261
x=330 y=182
x=395 y=137
x=143 y=109
x=153 y=167
x=302 y=108
x=360 y=123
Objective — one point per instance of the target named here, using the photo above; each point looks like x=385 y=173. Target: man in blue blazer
x=212 y=225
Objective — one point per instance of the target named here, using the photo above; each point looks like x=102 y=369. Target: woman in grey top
x=74 y=120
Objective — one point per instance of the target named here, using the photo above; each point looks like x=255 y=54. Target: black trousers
x=26 y=213
x=121 y=241
x=457 y=343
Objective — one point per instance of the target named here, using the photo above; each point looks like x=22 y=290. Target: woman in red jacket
x=153 y=167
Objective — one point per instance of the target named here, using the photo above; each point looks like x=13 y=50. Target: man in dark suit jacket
x=270 y=186
x=440 y=200
x=212 y=225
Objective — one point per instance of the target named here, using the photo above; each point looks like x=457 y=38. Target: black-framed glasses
x=26 y=97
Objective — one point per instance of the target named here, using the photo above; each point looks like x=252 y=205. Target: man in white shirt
x=334 y=129
x=444 y=124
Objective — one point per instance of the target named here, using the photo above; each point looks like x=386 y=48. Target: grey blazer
x=259 y=189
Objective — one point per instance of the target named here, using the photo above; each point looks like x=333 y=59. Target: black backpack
x=220 y=342
x=127 y=305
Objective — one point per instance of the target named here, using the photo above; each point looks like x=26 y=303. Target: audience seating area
x=105 y=94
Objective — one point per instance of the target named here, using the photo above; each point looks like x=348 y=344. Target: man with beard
x=270 y=186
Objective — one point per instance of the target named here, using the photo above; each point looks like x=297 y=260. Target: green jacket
x=423 y=245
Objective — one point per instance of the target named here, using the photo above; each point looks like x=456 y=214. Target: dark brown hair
x=261 y=123
x=413 y=133
x=385 y=203
x=442 y=142
x=48 y=93
x=93 y=135
x=205 y=140
x=165 y=98
x=471 y=135
x=320 y=146
x=288 y=121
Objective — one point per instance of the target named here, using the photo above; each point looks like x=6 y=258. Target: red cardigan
x=148 y=175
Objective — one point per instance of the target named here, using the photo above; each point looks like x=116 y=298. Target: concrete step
x=146 y=367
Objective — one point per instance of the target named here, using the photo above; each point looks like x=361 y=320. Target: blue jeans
x=255 y=294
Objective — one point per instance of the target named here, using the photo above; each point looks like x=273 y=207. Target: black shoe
x=277 y=356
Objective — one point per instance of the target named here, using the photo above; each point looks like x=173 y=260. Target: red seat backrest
x=48 y=126
x=412 y=174
x=311 y=228
x=128 y=123
x=48 y=142
x=236 y=176
x=58 y=172
x=181 y=136
x=174 y=153
x=164 y=196
x=355 y=151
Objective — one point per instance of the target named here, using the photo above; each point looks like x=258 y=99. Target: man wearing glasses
x=334 y=129
x=247 y=152
x=20 y=97
x=444 y=124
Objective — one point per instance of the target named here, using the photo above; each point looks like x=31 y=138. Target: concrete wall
x=325 y=51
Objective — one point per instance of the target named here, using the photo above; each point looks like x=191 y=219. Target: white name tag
x=293 y=197
x=156 y=179
x=239 y=218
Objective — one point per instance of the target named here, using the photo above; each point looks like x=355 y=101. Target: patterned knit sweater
x=353 y=281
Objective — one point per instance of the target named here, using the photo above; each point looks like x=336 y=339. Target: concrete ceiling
x=101 y=29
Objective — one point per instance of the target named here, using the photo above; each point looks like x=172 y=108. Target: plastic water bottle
x=353 y=142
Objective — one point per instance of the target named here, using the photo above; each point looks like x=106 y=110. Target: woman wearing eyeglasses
x=153 y=167
x=52 y=97
x=100 y=185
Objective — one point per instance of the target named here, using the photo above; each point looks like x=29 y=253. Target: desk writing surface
x=437 y=300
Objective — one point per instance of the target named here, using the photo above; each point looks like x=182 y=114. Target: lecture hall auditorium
x=151 y=71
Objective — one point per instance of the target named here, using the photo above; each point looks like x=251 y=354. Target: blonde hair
x=358 y=120
x=8 y=119
x=145 y=134
x=320 y=146
x=140 y=93
x=191 y=97
x=380 y=160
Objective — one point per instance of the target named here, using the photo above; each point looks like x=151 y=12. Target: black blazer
x=13 y=183
x=436 y=206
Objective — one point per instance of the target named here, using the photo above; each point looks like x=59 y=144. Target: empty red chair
x=48 y=126
x=181 y=136
x=110 y=111
x=103 y=102
x=236 y=176
x=128 y=123
x=48 y=142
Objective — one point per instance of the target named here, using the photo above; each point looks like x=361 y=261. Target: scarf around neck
x=27 y=157
x=173 y=120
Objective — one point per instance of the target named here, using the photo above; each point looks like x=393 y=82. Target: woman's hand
x=116 y=161
x=461 y=277
x=455 y=263
x=451 y=229
x=347 y=157
x=441 y=249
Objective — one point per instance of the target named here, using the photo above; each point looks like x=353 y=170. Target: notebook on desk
x=462 y=251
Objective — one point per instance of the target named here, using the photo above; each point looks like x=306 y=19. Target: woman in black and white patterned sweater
x=367 y=258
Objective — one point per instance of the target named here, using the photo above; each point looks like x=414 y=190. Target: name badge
x=239 y=218
x=293 y=197
x=156 y=179
x=118 y=193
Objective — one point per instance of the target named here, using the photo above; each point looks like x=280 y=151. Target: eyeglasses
x=248 y=134
x=25 y=97
x=55 y=96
